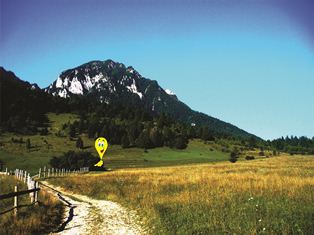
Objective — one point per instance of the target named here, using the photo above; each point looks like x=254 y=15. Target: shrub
x=28 y=144
x=180 y=142
x=125 y=141
x=44 y=131
x=79 y=143
x=233 y=156
x=73 y=160
x=249 y=157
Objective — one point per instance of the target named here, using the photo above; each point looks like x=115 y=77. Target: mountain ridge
x=113 y=82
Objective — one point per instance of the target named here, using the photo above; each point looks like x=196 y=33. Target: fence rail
x=32 y=184
x=51 y=172
x=6 y=172
x=19 y=193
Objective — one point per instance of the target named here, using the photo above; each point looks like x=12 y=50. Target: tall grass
x=41 y=218
x=270 y=196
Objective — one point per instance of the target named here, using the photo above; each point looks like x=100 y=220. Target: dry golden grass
x=41 y=218
x=269 y=196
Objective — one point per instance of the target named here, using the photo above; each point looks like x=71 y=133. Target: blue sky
x=247 y=62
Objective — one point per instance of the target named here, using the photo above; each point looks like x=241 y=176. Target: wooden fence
x=33 y=189
x=6 y=172
x=32 y=185
x=53 y=172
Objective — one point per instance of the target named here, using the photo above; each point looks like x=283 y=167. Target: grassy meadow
x=41 y=218
x=268 y=196
x=16 y=155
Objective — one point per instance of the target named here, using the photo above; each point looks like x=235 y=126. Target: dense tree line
x=132 y=126
x=293 y=145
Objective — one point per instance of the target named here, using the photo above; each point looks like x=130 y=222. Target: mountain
x=114 y=83
x=17 y=99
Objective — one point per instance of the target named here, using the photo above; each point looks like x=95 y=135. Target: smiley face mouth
x=101 y=151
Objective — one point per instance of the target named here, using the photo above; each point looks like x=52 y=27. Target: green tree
x=72 y=131
x=125 y=141
x=143 y=140
x=28 y=144
x=233 y=157
x=180 y=142
x=205 y=133
x=252 y=142
x=156 y=137
x=79 y=143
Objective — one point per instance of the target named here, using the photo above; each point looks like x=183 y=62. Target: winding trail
x=85 y=215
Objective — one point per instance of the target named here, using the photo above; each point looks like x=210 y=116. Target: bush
x=125 y=143
x=28 y=144
x=249 y=157
x=44 y=131
x=261 y=153
x=79 y=143
x=180 y=142
x=74 y=160
x=233 y=156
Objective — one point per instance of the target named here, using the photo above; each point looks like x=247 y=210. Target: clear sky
x=247 y=62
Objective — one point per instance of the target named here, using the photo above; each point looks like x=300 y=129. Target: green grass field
x=16 y=155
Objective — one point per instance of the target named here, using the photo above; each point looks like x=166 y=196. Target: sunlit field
x=41 y=218
x=269 y=196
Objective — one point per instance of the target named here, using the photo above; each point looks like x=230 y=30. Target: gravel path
x=85 y=215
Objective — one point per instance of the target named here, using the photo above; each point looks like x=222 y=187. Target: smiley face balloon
x=101 y=146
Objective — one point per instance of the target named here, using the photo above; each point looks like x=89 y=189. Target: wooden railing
x=33 y=195
x=33 y=185
x=52 y=172
x=33 y=189
x=6 y=172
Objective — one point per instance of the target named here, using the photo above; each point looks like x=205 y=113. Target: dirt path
x=85 y=215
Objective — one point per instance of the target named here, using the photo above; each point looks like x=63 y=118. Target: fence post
x=15 y=202
x=6 y=171
x=33 y=194
x=44 y=171
x=28 y=180
x=36 y=193
x=52 y=172
x=48 y=173
x=39 y=173
x=25 y=176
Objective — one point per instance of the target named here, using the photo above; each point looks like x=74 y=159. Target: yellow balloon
x=101 y=146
